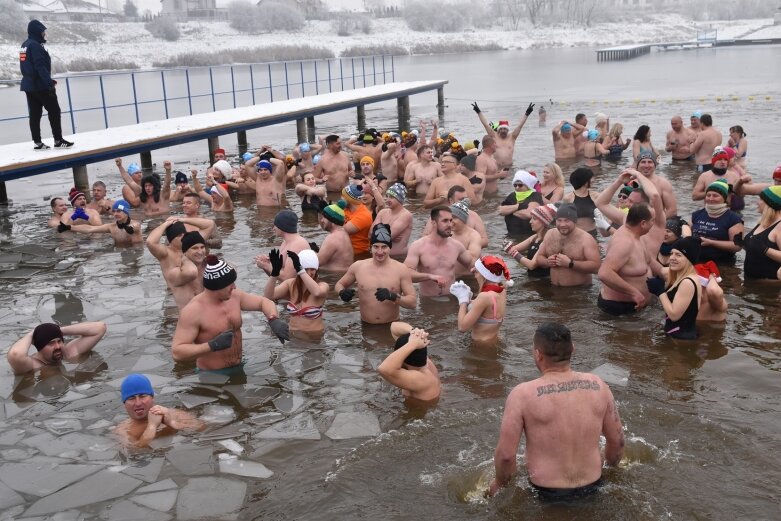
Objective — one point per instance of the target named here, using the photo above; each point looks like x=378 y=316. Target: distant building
x=184 y=10
x=68 y=11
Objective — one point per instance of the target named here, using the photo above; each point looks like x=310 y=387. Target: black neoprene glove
x=738 y=240
x=475 y=107
x=655 y=285
x=530 y=109
x=475 y=180
x=347 y=294
x=276 y=262
x=383 y=294
x=314 y=247
x=296 y=261
x=280 y=329
x=62 y=227
x=222 y=341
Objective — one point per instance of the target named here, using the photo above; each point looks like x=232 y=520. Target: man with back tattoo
x=562 y=414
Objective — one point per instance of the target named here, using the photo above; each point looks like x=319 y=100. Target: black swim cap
x=417 y=358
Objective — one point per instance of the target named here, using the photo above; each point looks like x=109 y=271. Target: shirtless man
x=305 y=152
x=366 y=145
x=334 y=166
x=505 y=140
x=409 y=368
x=646 y=165
x=465 y=234
x=713 y=305
x=488 y=165
x=59 y=209
x=215 y=194
x=51 y=349
x=134 y=173
x=456 y=194
x=422 y=172
x=154 y=198
x=439 y=187
x=285 y=227
x=571 y=253
x=336 y=251
x=170 y=256
x=580 y=126
x=625 y=267
x=123 y=230
x=407 y=154
x=185 y=278
x=694 y=122
x=99 y=202
x=398 y=218
x=209 y=327
x=270 y=188
x=562 y=413
x=182 y=187
x=719 y=170
x=433 y=258
x=563 y=141
x=389 y=161
x=80 y=214
x=679 y=140
x=146 y=420
x=384 y=284
x=707 y=140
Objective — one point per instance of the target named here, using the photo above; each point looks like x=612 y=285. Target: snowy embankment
x=131 y=43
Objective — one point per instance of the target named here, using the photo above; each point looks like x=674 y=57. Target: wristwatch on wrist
x=571 y=264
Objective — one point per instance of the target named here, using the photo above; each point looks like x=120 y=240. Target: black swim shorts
x=566 y=494
x=614 y=307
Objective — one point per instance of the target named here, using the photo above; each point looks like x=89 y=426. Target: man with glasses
x=437 y=191
x=421 y=173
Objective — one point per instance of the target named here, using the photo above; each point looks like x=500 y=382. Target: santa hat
x=705 y=270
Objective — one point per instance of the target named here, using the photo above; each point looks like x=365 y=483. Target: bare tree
x=535 y=8
x=513 y=11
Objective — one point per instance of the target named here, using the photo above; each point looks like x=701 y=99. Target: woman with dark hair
x=641 y=144
x=583 y=197
x=738 y=141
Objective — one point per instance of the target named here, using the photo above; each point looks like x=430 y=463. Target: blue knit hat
x=122 y=206
x=265 y=164
x=134 y=385
x=132 y=168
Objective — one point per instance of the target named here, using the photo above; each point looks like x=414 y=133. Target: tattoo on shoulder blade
x=564 y=387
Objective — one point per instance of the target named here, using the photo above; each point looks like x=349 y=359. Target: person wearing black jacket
x=35 y=65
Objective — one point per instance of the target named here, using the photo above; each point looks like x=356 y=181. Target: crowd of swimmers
x=359 y=190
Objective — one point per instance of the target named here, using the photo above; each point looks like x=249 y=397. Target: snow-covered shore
x=130 y=42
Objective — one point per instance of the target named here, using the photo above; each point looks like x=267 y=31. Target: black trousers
x=36 y=102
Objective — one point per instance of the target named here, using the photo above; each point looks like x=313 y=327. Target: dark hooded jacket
x=34 y=61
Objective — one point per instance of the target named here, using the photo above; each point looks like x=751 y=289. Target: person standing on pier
x=35 y=64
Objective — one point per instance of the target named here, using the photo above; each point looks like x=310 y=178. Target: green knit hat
x=772 y=197
x=335 y=212
x=719 y=185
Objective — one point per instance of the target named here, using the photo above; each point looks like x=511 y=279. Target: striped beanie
x=218 y=274
x=719 y=185
x=335 y=212
x=772 y=197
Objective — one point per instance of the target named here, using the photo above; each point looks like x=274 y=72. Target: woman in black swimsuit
x=552 y=187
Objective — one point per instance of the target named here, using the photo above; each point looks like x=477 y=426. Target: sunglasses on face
x=622 y=197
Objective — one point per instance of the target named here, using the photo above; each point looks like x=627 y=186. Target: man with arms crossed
x=384 y=284
x=562 y=414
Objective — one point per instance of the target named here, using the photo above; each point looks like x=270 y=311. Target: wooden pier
x=19 y=160
x=624 y=52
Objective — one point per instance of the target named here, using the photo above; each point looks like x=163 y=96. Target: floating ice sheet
x=192 y=460
x=301 y=427
x=146 y=470
x=348 y=425
x=98 y=487
x=162 y=501
x=249 y=469
x=210 y=498
x=42 y=480
x=612 y=374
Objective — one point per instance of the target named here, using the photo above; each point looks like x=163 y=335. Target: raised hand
x=276 y=260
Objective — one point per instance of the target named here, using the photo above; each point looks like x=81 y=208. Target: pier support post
x=214 y=144
x=301 y=130
x=310 y=129
x=81 y=180
x=441 y=104
x=402 y=106
x=241 y=137
x=361 y=117
x=3 y=194
x=146 y=162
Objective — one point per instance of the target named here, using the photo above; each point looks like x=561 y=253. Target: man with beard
x=80 y=213
x=334 y=166
x=384 y=284
x=123 y=230
x=49 y=342
x=209 y=327
x=432 y=259
x=99 y=202
x=571 y=253
x=397 y=217
x=154 y=197
x=174 y=228
x=505 y=140
x=336 y=251
x=146 y=420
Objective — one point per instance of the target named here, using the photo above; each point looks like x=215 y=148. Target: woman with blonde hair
x=763 y=243
x=680 y=294
x=552 y=187
x=613 y=143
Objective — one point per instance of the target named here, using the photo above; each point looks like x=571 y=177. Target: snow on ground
x=131 y=42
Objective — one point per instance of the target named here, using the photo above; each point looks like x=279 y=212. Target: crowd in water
x=630 y=235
